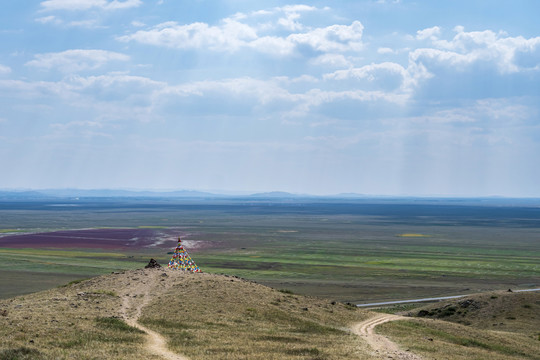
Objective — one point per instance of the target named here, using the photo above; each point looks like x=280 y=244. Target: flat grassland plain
x=351 y=250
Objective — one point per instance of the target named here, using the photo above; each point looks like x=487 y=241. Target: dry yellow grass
x=497 y=325
x=73 y=322
x=517 y=312
x=442 y=340
x=215 y=317
x=207 y=316
x=411 y=235
x=204 y=316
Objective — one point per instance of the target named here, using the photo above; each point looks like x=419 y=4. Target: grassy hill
x=496 y=325
x=204 y=316
x=504 y=311
x=208 y=316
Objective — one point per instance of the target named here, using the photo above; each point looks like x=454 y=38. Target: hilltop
x=206 y=316
x=210 y=316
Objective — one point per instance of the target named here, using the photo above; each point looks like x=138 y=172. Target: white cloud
x=273 y=45
x=236 y=32
x=390 y=76
x=366 y=71
x=385 y=50
x=431 y=33
x=76 y=60
x=334 y=60
x=299 y=79
x=88 y=24
x=229 y=36
x=296 y=8
x=4 y=70
x=51 y=19
x=467 y=48
x=292 y=14
x=290 y=22
x=243 y=88
x=332 y=38
x=89 y=4
x=137 y=23
x=87 y=123
x=286 y=10
x=126 y=97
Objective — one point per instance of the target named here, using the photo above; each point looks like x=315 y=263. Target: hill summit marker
x=181 y=259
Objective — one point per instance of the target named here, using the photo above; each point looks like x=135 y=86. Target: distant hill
x=275 y=194
x=503 y=311
x=102 y=193
x=18 y=195
x=349 y=195
x=494 y=326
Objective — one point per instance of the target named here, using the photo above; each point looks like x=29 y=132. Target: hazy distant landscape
x=350 y=249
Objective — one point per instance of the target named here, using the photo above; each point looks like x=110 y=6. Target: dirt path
x=382 y=346
x=140 y=295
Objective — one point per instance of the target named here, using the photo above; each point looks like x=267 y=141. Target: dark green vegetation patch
x=116 y=324
x=22 y=353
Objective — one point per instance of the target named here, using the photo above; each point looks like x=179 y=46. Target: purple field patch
x=110 y=239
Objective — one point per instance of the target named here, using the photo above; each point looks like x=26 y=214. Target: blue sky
x=376 y=97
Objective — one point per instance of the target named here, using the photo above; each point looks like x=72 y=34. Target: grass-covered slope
x=504 y=311
x=442 y=340
x=204 y=316
x=77 y=321
x=499 y=325
x=215 y=317
x=208 y=316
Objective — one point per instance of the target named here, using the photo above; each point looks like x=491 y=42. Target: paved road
x=427 y=299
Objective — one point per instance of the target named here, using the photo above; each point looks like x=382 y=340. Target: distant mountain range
x=101 y=193
x=52 y=194
x=113 y=193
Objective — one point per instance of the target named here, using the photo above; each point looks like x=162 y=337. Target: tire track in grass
x=383 y=347
x=132 y=306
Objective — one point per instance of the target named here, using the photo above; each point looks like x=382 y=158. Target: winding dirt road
x=132 y=304
x=382 y=346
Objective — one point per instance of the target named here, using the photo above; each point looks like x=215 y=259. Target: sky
x=377 y=97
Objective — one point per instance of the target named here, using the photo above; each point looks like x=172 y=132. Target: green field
x=350 y=253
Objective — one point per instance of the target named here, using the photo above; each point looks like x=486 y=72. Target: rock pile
x=153 y=264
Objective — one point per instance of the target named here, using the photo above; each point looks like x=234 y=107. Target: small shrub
x=73 y=282
x=448 y=311
x=22 y=353
x=286 y=291
x=116 y=324
x=283 y=339
x=72 y=343
x=315 y=328
x=106 y=292
x=303 y=352
x=164 y=323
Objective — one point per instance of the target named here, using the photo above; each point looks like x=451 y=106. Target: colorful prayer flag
x=181 y=259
